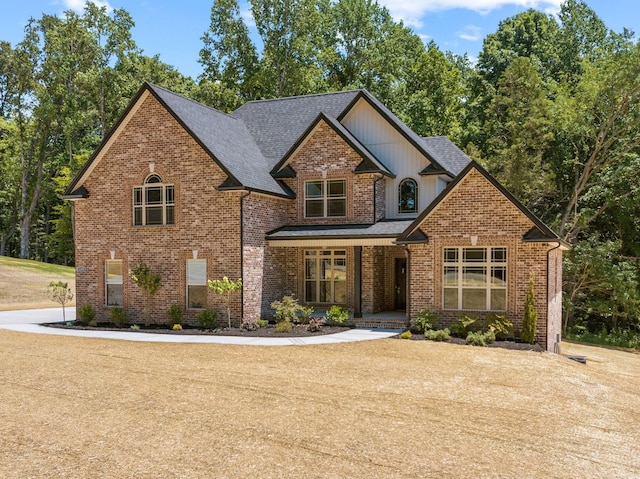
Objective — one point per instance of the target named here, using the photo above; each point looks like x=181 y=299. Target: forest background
x=551 y=108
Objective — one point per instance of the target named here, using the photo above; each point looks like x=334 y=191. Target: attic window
x=408 y=196
x=153 y=203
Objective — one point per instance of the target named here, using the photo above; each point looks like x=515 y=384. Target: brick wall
x=476 y=207
x=206 y=220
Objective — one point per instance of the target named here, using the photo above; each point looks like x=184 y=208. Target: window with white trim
x=408 y=196
x=153 y=202
x=196 y=283
x=475 y=278
x=113 y=282
x=325 y=276
x=325 y=198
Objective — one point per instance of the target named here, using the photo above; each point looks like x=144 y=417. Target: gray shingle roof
x=382 y=229
x=226 y=138
x=277 y=124
x=452 y=158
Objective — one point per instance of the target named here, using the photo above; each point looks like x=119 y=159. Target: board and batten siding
x=396 y=153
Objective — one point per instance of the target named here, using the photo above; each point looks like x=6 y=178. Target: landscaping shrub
x=499 y=324
x=86 y=314
x=262 y=323
x=425 y=321
x=406 y=335
x=174 y=314
x=305 y=314
x=463 y=326
x=315 y=324
x=249 y=324
x=286 y=309
x=177 y=327
x=530 y=319
x=438 y=335
x=479 y=338
x=206 y=318
x=337 y=314
x=118 y=316
x=284 y=326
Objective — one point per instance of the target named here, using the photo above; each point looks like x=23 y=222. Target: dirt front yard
x=85 y=408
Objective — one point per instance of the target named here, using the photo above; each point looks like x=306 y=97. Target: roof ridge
x=153 y=85
x=297 y=97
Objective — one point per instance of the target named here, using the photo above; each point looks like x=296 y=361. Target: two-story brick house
x=328 y=197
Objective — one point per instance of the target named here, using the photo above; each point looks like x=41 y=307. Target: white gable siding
x=395 y=152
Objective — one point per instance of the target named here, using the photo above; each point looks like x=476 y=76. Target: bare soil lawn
x=85 y=408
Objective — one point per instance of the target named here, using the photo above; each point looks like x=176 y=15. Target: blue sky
x=173 y=28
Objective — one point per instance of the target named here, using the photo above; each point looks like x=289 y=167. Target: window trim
x=108 y=282
x=140 y=201
x=490 y=264
x=315 y=254
x=325 y=198
x=415 y=199
x=188 y=283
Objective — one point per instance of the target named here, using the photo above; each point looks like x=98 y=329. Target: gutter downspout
x=556 y=345
x=242 y=253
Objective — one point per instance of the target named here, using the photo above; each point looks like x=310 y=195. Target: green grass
x=35 y=266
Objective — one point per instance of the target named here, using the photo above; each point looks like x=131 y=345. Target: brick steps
x=380 y=323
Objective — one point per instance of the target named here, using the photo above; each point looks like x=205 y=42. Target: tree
x=60 y=293
x=225 y=288
x=530 y=318
x=148 y=281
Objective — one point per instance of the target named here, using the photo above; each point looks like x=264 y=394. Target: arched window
x=153 y=202
x=408 y=196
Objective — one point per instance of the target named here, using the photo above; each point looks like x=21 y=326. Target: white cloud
x=412 y=11
x=78 y=5
x=470 y=33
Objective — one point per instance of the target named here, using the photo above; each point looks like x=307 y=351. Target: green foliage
x=92 y=323
x=499 y=324
x=286 y=310
x=60 y=292
x=305 y=314
x=530 y=318
x=118 y=316
x=621 y=338
x=463 y=326
x=284 y=326
x=406 y=334
x=479 y=338
x=86 y=314
x=174 y=313
x=146 y=279
x=262 y=323
x=337 y=314
x=438 y=335
x=135 y=327
x=225 y=288
x=425 y=321
x=206 y=318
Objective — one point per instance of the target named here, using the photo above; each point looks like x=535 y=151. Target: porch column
x=357 y=281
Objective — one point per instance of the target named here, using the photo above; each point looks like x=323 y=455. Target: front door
x=400 y=284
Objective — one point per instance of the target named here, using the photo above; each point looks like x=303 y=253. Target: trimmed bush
x=86 y=314
x=118 y=316
x=177 y=327
x=206 y=318
x=284 y=326
x=337 y=314
x=174 y=313
x=480 y=339
x=438 y=335
x=406 y=335
x=262 y=323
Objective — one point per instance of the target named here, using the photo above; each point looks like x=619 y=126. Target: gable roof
x=538 y=233
x=369 y=164
x=452 y=158
x=225 y=139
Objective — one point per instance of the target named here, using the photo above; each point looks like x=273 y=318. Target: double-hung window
x=196 y=283
x=113 y=282
x=153 y=202
x=475 y=279
x=325 y=198
x=325 y=276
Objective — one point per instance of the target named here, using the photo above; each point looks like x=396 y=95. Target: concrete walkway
x=30 y=321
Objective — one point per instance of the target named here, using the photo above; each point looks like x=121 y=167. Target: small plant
x=286 y=309
x=479 y=338
x=499 y=324
x=174 y=314
x=177 y=327
x=337 y=314
x=249 y=324
x=60 y=293
x=118 y=316
x=86 y=314
x=315 y=324
x=284 y=326
x=262 y=323
x=225 y=288
x=425 y=321
x=530 y=318
x=305 y=314
x=206 y=318
x=92 y=323
x=438 y=335
x=463 y=326
x=406 y=334
x=135 y=327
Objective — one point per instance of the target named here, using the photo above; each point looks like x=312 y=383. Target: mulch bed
x=517 y=345
x=267 y=332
